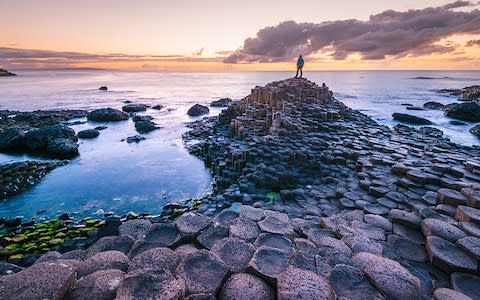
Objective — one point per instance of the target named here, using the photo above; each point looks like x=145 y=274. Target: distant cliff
x=5 y=73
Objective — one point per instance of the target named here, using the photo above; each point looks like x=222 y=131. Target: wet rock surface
x=107 y=115
x=310 y=199
x=197 y=110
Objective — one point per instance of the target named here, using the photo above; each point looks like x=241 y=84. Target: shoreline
x=330 y=196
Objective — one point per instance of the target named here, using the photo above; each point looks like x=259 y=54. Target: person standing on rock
x=300 y=63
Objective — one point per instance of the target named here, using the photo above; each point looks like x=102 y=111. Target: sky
x=240 y=35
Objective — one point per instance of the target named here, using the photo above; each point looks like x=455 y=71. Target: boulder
x=388 y=276
x=223 y=102
x=107 y=115
x=48 y=280
x=62 y=148
x=159 y=235
x=135 y=139
x=243 y=286
x=198 y=110
x=144 y=118
x=296 y=283
x=410 y=119
x=202 y=272
x=12 y=139
x=4 y=72
x=470 y=93
x=101 y=285
x=145 y=126
x=103 y=88
x=458 y=123
x=475 y=130
x=88 y=134
x=158 y=107
x=160 y=284
x=433 y=105
x=56 y=141
x=468 y=111
x=133 y=107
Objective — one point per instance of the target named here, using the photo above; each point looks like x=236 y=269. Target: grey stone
x=243 y=286
x=277 y=223
x=470 y=245
x=226 y=218
x=391 y=278
x=134 y=107
x=245 y=229
x=202 y=272
x=468 y=214
x=197 y=110
x=104 y=261
x=101 y=285
x=107 y=115
x=449 y=257
x=451 y=197
x=48 y=280
x=155 y=259
x=151 y=285
x=159 y=235
x=268 y=263
x=235 y=253
x=406 y=218
x=191 y=224
x=274 y=241
x=120 y=243
x=351 y=283
x=88 y=134
x=378 y=221
x=441 y=229
x=449 y=294
x=135 y=228
x=407 y=249
x=212 y=234
x=466 y=283
x=296 y=283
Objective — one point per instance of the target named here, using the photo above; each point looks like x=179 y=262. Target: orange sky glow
x=214 y=35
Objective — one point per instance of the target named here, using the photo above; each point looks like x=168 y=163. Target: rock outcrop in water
x=4 y=72
x=410 y=119
x=107 y=115
x=311 y=200
x=198 y=110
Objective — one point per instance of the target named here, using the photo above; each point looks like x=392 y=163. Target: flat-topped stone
x=212 y=234
x=98 y=285
x=351 y=283
x=448 y=256
x=408 y=249
x=466 y=283
x=135 y=228
x=449 y=294
x=47 y=280
x=468 y=214
x=122 y=243
x=441 y=229
x=160 y=284
x=245 y=229
x=470 y=245
x=391 y=278
x=296 y=283
x=451 y=197
x=378 y=221
x=235 y=253
x=155 y=259
x=191 y=224
x=276 y=224
x=202 y=272
x=406 y=218
x=274 y=241
x=104 y=261
x=268 y=263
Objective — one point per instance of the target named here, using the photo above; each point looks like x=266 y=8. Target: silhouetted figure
x=300 y=63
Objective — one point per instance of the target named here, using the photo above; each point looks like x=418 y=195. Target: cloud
x=199 y=52
x=473 y=43
x=387 y=34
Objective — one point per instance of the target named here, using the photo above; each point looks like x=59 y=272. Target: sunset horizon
x=434 y=35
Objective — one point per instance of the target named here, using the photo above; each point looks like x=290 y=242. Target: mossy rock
x=19 y=238
x=55 y=242
x=12 y=246
x=15 y=257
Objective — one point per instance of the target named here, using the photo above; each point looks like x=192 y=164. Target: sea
x=111 y=175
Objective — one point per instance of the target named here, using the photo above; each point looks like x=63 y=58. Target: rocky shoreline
x=311 y=200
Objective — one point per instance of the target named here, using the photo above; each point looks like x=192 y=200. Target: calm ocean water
x=111 y=175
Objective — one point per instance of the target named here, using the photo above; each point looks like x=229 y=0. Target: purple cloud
x=390 y=33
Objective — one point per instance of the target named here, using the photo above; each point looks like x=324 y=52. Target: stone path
x=312 y=200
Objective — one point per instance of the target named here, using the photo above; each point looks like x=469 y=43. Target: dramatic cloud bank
x=390 y=33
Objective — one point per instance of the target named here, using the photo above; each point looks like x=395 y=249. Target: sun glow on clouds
x=441 y=37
